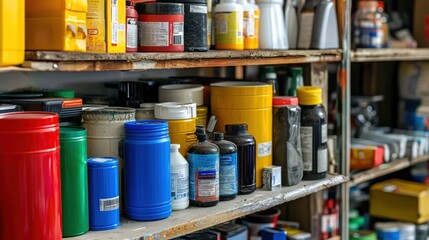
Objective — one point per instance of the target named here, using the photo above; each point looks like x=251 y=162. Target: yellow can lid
x=308 y=95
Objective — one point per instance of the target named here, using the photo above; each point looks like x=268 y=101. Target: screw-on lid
x=72 y=132
x=218 y=136
x=200 y=130
x=202 y=137
x=109 y=114
x=236 y=128
x=102 y=162
x=175 y=111
x=160 y=8
x=309 y=96
x=285 y=101
x=147 y=105
x=174 y=147
x=296 y=71
x=183 y=93
x=28 y=120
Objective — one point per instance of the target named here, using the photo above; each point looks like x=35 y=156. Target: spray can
x=132 y=33
x=179 y=168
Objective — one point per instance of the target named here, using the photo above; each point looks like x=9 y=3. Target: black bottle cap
x=160 y=8
x=236 y=128
x=202 y=137
x=200 y=130
x=218 y=136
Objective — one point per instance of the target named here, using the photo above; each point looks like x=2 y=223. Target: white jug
x=272 y=33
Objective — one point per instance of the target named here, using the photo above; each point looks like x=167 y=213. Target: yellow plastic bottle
x=249 y=25
x=57 y=25
x=12 y=41
x=229 y=26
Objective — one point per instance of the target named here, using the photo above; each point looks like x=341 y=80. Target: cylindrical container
x=407 y=231
x=202 y=112
x=181 y=123
x=30 y=175
x=182 y=93
x=246 y=154
x=103 y=189
x=296 y=81
x=12 y=32
x=147 y=170
x=251 y=103
x=228 y=168
x=160 y=27
x=387 y=231
x=272 y=17
x=203 y=158
x=314 y=133
x=363 y=235
x=74 y=181
x=256 y=17
x=146 y=111
x=195 y=24
x=229 y=25
x=249 y=25
x=105 y=129
x=261 y=220
x=132 y=31
x=179 y=168
x=286 y=139
x=422 y=231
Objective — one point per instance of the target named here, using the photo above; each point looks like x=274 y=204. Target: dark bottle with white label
x=228 y=168
x=314 y=133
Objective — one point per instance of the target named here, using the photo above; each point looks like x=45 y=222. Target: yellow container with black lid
x=181 y=118
x=12 y=40
x=251 y=103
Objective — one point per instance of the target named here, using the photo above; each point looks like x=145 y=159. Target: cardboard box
x=364 y=157
x=400 y=200
x=421 y=23
x=106 y=26
x=272 y=178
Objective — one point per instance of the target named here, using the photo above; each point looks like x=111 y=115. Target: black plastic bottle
x=246 y=153
x=228 y=168
x=314 y=133
x=203 y=158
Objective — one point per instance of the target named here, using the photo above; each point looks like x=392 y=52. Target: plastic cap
x=285 y=101
x=200 y=130
x=102 y=162
x=27 y=120
x=309 y=95
x=174 y=147
x=380 y=4
x=202 y=137
x=183 y=93
x=175 y=111
x=72 y=132
x=236 y=128
x=218 y=136
x=147 y=105
x=296 y=71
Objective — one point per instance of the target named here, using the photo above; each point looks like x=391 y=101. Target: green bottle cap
x=296 y=71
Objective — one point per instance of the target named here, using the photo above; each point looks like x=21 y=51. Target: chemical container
x=31 y=176
x=132 y=31
x=228 y=25
x=181 y=123
x=179 y=169
x=272 y=17
x=103 y=189
x=250 y=103
x=232 y=231
x=146 y=111
x=105 y=129
x=106 y=26
x=182 y=93
x=387 y=231
x=57 y=25
x=12 y=30
x=74 y=181
x=147 y=170
x=260 y=220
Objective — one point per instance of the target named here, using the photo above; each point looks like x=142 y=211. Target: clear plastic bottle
x=179 y=169
x=370 y=26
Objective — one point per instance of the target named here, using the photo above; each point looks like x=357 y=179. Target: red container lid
x=285 y=101
x=27 y=120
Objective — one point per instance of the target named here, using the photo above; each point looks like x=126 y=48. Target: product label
x=209 y=29
x=115 y=22
x=229 y=28
x=371 y=34
x=109 y=204
x=264 y=149
x=307 y=147
x=249 y=24
x=178 y=33
x=131 y=33
x=198 y=9
x=325 y=222
x=153 y=34
x=228 y=174
x=179 y=184
x=324 y=133
x=305 y=30
x=203 y=177
x=322 y=160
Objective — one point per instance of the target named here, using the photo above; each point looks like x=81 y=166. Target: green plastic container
x=363 y=235
x=74 y=181
x=60 y=94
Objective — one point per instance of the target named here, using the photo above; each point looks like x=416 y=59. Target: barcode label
x=109 y=204
x=177 y=40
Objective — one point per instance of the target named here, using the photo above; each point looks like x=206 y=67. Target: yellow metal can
x=251 y=103
x=12 y=40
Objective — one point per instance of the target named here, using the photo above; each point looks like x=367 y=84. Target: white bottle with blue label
x=179 y=169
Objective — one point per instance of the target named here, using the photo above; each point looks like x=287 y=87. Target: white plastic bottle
x=272 y=32
x=291 y=20
x=229 y=25
x=179 y=169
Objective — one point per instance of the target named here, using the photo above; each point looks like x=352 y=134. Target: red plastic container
x=30 y=206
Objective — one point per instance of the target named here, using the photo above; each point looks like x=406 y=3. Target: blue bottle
x=147 y=170
x=103 y=193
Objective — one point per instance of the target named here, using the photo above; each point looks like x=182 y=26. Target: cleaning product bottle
x=203 y=158
x=228 y=172
x=273 y=31
x=229 y=25
x=291 y=20
x=132 y=19
x=325 y=27
x=248 y=25
x=306 y=24
x=179 y=169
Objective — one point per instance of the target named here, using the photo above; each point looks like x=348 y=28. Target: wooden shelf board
x=389 y=54
x=419 y=160
x=71 y=61
x=194 y=219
